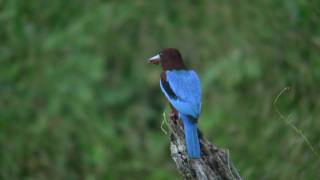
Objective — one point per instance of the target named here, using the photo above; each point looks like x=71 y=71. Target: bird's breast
x=163 y=76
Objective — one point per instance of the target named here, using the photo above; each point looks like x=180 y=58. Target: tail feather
x=191 y=136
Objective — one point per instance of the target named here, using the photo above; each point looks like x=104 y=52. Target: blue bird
x=182 y=88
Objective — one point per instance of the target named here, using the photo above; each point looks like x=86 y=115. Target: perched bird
x=181 y=86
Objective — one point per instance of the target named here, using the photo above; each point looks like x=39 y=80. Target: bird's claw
x=173 y=115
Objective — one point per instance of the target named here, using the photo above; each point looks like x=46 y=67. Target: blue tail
x=191 y=136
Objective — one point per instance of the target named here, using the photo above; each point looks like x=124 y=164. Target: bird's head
x=169 y=58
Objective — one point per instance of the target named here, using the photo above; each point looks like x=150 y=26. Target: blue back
x=186 y=86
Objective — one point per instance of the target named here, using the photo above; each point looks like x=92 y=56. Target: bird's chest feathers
x=163 y=76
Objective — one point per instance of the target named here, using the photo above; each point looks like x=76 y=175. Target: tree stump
x=214 y=163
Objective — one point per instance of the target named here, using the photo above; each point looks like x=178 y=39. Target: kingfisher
x=181 y=86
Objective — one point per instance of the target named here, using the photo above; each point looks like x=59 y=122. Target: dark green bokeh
x=79 y=101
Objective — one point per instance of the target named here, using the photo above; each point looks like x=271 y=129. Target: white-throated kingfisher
x=181 y=86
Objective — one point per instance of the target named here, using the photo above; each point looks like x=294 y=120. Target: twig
x=290 y=124
x=164 y=122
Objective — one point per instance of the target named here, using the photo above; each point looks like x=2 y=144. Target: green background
x=79 y=101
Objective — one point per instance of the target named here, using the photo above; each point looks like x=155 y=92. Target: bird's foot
x=179 y=122
x=173 y=115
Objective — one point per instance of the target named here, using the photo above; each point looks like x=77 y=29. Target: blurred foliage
x=79 y=101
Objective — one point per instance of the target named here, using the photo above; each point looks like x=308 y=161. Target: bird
x=182 y=88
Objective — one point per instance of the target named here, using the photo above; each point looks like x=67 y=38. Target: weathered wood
x=214 y=162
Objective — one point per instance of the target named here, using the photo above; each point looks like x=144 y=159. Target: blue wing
x=183 y=91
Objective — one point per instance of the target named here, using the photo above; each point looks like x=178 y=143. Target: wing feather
x=185 y=85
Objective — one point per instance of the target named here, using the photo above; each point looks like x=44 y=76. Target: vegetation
x=79 y=101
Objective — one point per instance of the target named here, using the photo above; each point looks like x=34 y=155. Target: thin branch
x=290 y=124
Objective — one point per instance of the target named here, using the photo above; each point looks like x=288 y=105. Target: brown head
x=169 y=58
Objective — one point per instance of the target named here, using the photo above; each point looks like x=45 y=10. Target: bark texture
x=213 y=164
